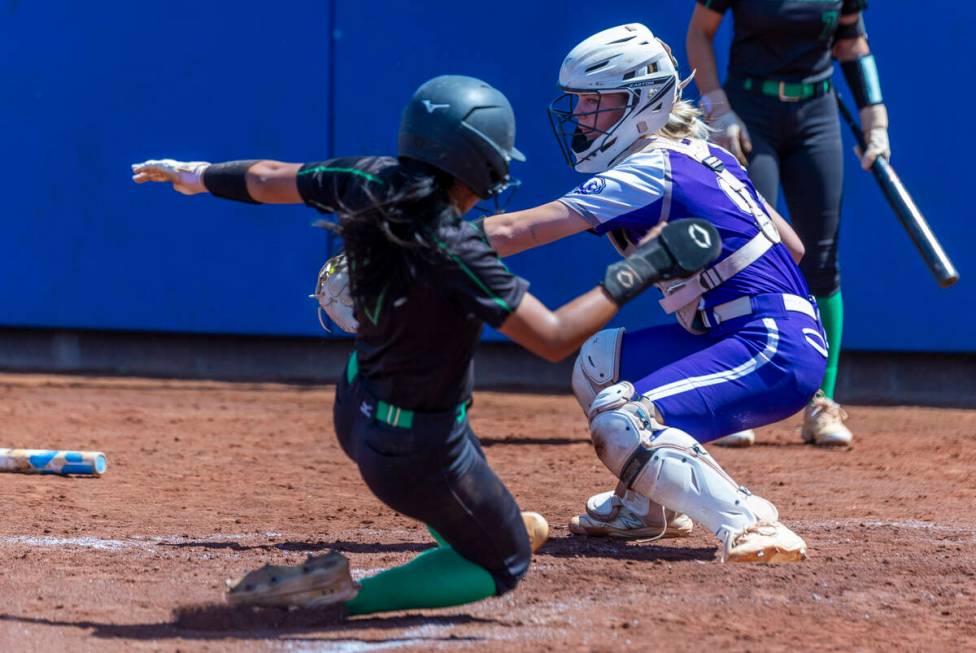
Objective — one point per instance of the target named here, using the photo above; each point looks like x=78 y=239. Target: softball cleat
x=320 y=581
x=629 y=526
x=745 y=438
x=823 y=423
x=769 y=542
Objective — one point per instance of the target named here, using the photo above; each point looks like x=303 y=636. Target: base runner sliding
x=422 y=283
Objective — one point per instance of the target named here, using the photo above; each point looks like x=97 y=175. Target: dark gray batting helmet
x=463 y=126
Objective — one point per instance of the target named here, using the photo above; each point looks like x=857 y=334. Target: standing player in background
x=422 y=283
x=749 y=350
x=777 y=111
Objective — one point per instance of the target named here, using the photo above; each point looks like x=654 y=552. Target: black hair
x=388 y=239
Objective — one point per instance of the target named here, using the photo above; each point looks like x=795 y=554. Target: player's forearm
x=274 y=182
x=851 y=49
x=511 y=233
x=554 y=335
x=852 y=42
x=701 y=58
x=582 y=317
x=262 y=182
x=502 y=235
x=701 y=50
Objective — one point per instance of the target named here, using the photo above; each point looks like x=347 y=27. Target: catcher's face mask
x=584 y=122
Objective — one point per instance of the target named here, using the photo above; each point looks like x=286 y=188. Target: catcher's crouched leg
x=671 y=468
x=619 y=513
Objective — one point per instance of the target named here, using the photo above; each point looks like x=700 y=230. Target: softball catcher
x=417 y=284
x=749 y=349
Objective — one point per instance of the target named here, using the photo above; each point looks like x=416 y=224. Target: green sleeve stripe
x=351 y=171
x=468 y=271
x=375 y=315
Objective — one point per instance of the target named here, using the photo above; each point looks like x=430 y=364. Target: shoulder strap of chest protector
x=683 y=293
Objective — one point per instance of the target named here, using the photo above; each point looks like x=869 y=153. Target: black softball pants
x=436 y=472
x=798 y=145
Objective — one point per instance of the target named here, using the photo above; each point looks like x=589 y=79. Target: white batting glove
x=186 y=176
x=729 y=130
x=874 y=126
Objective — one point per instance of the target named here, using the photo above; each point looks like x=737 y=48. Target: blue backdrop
x=89 y=88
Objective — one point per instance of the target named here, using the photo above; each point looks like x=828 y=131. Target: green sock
x=437 y=578
x=437 y=537
x=832 y=316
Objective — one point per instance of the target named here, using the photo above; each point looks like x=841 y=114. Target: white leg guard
x=669 y=466
x=597 y=365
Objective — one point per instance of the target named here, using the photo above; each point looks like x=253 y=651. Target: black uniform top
x=415 y=350
x=788 y=40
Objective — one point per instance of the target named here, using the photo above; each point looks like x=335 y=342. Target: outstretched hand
x=186 y=176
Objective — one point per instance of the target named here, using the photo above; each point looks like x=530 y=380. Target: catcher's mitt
x=320 y=581
x=332 y=293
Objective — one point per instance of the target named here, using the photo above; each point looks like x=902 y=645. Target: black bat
x=904 y=207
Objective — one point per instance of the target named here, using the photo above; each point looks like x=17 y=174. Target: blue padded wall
x=89 y=89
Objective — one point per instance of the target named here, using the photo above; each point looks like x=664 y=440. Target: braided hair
x=389 y=235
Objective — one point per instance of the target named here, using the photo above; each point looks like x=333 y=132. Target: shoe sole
x=733 y=444
x=298 y=597
x=631 y=534
x=772 y=555
x=829 y=441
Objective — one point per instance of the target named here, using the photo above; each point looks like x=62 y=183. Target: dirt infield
x=208 y=480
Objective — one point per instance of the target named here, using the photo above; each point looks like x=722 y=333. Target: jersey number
x=745 y=203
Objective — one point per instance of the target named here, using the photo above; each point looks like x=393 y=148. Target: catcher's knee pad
x=679 y=473
x=621 y=425
x=597 y=365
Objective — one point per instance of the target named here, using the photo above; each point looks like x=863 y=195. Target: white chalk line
x=425 y=635
x=136 y=542
x=270 y=538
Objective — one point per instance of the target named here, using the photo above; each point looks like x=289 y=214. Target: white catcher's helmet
x=625 y=59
